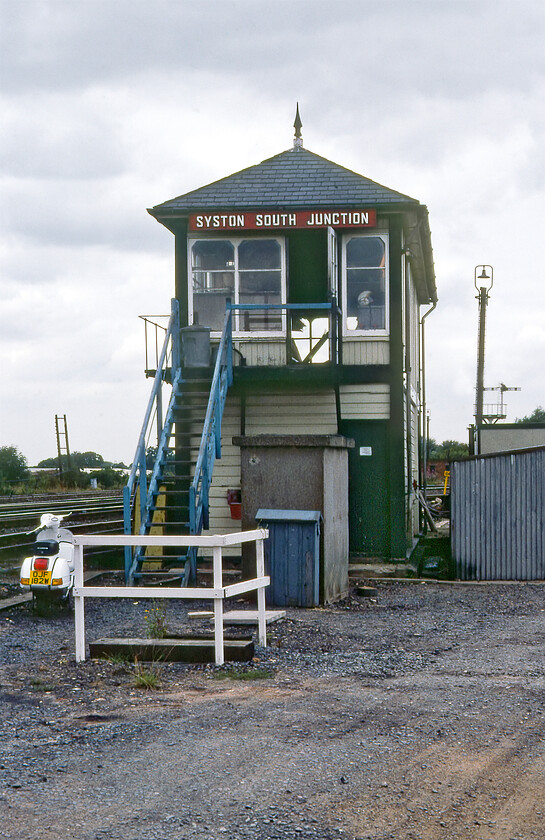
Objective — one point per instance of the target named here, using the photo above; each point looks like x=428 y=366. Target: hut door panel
x=368 y=487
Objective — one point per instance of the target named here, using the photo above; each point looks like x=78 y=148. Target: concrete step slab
x=378 y=570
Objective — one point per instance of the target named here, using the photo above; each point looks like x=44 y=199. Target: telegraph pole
x=61 y=431
x=486 y=281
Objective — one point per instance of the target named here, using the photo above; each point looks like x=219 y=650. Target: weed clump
x=145 y=677
x=156 y=621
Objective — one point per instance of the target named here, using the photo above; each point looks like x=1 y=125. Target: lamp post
x=483 y=284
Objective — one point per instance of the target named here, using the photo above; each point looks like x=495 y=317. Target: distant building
x=504 y=437
x=435 y=470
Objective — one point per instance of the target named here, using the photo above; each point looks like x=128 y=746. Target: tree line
x=16 y=476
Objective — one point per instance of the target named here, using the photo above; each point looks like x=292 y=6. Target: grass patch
x=145 y=677
x=37 y=684
x=245 y=676
x=118 y=659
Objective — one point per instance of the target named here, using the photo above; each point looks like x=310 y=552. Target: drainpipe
x=424 y=428
x=408 y=382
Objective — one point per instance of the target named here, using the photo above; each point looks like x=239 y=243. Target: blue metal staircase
x=173 y=476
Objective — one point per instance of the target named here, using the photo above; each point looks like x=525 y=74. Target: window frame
x=236 y=241
x=362 y=333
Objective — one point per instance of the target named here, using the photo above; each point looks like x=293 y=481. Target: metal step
x=186 y=392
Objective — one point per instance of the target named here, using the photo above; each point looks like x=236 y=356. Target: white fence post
x=218 y=606
x=261 y=613
x=79 y=604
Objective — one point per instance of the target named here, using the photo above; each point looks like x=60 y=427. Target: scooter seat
x=46 y=548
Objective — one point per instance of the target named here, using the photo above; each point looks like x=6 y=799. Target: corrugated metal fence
x=497 y=516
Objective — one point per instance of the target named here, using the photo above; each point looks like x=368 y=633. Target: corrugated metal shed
x=497 y=516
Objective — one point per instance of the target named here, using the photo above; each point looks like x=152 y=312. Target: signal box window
x=213 y=270
x=365 y=292
x=246 y=271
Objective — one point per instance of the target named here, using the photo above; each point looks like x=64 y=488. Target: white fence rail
x=217 y=592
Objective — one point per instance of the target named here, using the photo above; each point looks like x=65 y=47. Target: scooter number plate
x=42 y=577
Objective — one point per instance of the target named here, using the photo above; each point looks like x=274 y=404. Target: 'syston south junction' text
x=298 y=219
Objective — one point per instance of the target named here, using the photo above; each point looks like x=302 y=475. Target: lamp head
x=485 y=278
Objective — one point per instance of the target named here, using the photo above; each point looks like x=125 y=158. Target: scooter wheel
x=41 y=604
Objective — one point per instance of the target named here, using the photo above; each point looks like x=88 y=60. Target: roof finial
x=298 y=140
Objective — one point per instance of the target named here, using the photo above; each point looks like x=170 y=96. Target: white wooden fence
x=217 y=592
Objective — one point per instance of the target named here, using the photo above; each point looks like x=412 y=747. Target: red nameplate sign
x=306 y=219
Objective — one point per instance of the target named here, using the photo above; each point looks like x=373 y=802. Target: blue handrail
x=287 y=306
x=169 y=361
x=210 y=447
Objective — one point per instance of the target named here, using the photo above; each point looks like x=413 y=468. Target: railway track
x=96 y=513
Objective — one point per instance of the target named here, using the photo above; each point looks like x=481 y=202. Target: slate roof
x=295 y=179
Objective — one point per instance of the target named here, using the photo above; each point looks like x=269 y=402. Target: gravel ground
x=417 y=716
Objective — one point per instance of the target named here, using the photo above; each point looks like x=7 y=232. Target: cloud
x=394 y=46
x=54 y=135
x=110 y=108
x=77 y=346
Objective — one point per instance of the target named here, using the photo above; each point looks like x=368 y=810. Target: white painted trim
x=181 y=541
x=261 y=609
x=384 y=235
x=141 y=592
x=237 y=588
x=235 y=241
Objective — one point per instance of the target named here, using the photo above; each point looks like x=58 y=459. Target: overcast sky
x=112 y=106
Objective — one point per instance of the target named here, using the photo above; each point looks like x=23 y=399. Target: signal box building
x=325 y=273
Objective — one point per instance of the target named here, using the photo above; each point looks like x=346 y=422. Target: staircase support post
x=127 y=529
x=176 y=349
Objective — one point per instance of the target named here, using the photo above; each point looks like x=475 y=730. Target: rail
x=217 y=592
x=94 y=512
x=167 y=364
x=156 y=329
x=333 y=335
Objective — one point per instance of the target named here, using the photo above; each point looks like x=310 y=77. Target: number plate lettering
x=40 y=577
